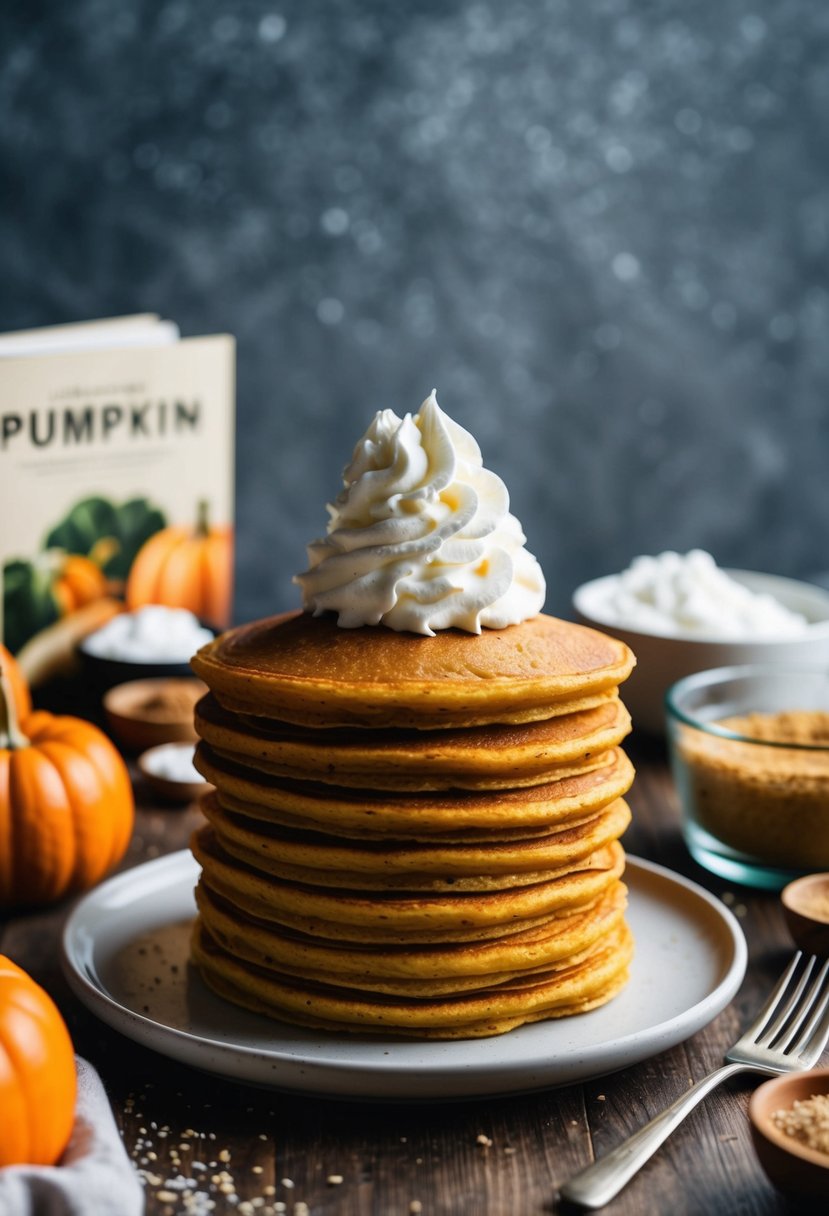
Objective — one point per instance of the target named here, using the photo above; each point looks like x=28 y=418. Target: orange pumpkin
x=78 y=581
x=66 y=805
x=38 y=1080
x=17 y=683
x=186 y=568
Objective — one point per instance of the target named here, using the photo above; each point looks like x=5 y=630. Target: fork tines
x=795 y=1019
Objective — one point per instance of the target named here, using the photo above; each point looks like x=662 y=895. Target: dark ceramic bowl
x=103 y=674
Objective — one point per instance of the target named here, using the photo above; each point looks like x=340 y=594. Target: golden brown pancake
x=421 y=816
x=588 y=983
x=485 y=757
x=362 y=914
x=428 y=970
x=317 y=860
x=306 y=670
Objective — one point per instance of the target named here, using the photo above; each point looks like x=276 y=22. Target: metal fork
x=788 y=1035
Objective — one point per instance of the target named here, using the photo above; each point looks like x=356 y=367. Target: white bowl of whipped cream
x=681 y=613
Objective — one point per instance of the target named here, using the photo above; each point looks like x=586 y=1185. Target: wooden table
x=254 y=1151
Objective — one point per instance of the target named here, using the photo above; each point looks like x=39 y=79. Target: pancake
x=460 y=836
x=317 y=860
x=306 y=670
x=472 y=758
x=251 y=904
x=433 y=969
x=361 y=914
x=585 y=985
x=422 y=816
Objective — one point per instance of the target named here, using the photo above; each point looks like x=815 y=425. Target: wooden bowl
x=146 y=713
x=790 y=1165
x=169 y=788
x=806 y=908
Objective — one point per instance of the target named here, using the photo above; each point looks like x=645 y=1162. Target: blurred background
x=600 y=229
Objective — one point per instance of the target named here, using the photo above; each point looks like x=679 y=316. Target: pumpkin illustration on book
x=186 y=567
x=45 y=590
x=82 y=565
x=108 y=533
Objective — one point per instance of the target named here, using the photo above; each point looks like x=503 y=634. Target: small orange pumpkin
x=186 y=568
x=79 y=581
x=66 y=805
x=38 y=1079
x=17 y=683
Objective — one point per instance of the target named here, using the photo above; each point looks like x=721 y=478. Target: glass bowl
x=749 y=749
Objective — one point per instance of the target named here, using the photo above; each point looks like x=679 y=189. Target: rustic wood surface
x=254 y=1151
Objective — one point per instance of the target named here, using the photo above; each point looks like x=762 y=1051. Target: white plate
x=125 y=955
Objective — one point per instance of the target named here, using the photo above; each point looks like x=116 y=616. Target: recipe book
x=115 y=435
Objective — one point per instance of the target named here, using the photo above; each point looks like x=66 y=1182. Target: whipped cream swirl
x=421 y=537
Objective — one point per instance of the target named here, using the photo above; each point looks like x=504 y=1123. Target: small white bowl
x=153 y=766
x=661 y=660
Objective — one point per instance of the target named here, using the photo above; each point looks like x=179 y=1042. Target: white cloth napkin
x=95 y=1176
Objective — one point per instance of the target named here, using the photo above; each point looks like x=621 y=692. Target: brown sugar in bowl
x=145 y=713
x=750 y=753
x=762 y=790
x=790 y=1164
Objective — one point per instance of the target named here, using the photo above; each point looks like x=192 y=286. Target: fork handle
x=600 y=1182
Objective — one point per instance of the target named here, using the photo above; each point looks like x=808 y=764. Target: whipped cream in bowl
x=690 y=596
x=681 y=613
x=421 y=537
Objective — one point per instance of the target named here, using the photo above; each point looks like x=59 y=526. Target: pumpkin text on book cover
x=116 y=484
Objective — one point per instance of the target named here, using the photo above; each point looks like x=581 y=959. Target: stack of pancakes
x=412 y=835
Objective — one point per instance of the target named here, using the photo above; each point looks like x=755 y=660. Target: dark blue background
x=600 y=229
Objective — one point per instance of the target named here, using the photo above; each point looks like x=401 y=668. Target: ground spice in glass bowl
x=750 y=755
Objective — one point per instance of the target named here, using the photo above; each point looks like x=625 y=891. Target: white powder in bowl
x=154 y=634
x=173 y=762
